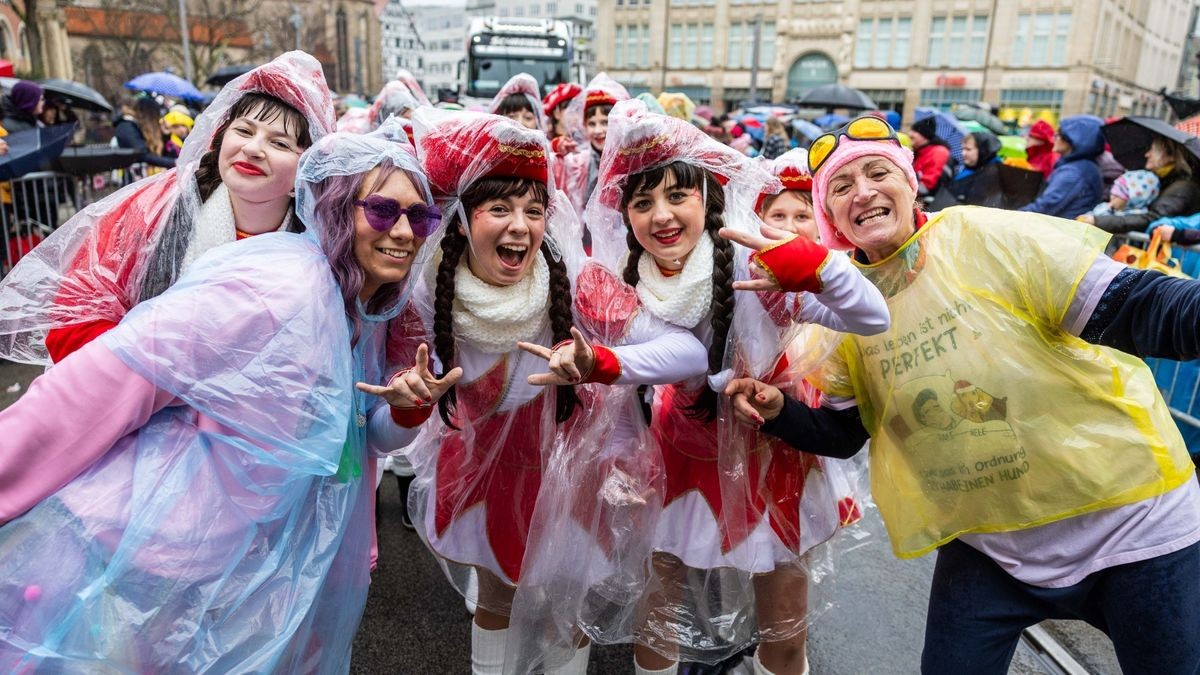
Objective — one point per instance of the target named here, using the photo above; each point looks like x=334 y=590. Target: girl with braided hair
x=498 y=303
x=733 y=504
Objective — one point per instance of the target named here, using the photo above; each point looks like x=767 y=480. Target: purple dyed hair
x=333 y=208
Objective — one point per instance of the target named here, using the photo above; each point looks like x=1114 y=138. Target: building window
x=1041 y=39
x=645 y=60
x=619 y=48
x=883 y=43
x=887 y=99
x=957 y=41
x=741 y=45
x=691 y=46
x=943 y=99
x=1036 y=99
x=675 y=51
x=706 y=45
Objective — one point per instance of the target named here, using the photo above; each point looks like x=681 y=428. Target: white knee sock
x=487 y=650
x=669 y=670
x=577 y=665
x=760 y=669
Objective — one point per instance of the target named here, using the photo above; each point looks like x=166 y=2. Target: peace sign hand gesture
x=416 y=387
x=569 y=363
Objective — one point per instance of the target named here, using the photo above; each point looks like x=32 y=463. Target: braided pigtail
x=630 y=274
x=454 y=243
x=561 y=320
x=705 y=407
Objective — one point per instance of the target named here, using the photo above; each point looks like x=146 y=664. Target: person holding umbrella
x=1013 y=426
x=1168 y=158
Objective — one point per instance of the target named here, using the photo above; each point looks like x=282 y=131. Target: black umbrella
x=837 y=96
x=1130 y=138
x=225 y=74
x=1020 y=186
x=33 y=149
x=75 y=94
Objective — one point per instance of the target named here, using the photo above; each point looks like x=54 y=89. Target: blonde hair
x=1175 y=151
x=775 y=126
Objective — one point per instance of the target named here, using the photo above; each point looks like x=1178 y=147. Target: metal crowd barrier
x=1179 y=381
x=35 y=204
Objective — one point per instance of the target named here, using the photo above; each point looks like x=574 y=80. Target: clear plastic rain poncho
x=355 y=121
x=524 y=84
x=713 y=572
x=476 y=486
x=394 y=99
x=92 y=269
x=405 y=77
x=577 y=172
x=232 y=531
x=500 y=493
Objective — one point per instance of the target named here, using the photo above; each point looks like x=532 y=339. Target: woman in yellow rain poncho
x=1010 y=426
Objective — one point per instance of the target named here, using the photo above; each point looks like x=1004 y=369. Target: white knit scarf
x=683 y=299
x=494 y=318
x=214 y=225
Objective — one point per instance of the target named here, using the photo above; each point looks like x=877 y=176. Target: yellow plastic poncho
x=985 y=415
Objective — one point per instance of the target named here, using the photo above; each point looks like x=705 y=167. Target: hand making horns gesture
x=416 y=387
x=569 y=361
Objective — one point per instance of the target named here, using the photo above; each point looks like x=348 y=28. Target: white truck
x=499 y=48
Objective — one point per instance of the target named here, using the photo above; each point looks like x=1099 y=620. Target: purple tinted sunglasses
x=383 y=212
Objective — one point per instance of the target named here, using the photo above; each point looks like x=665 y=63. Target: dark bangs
x=267 y=108
x=685 y=175
x=514 y=103
x=494 y=187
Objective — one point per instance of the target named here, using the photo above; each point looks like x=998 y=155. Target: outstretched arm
x=819 y=431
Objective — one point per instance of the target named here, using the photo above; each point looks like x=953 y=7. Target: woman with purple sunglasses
x=200 y=503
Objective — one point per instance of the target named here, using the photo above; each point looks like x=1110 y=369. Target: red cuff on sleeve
x=62 y=342
x=606 y=368
x=794 y=265
x=411 y=417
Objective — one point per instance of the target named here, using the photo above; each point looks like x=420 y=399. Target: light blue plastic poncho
x=230 y=533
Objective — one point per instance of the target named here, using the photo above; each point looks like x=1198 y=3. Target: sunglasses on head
x=383 y=212
x=861 y=129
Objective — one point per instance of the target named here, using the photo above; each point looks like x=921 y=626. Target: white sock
x=487 y=650
x=669 y=670
x=760 y=669
x=577 y=665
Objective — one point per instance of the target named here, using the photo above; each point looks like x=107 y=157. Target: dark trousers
x=1150 y=610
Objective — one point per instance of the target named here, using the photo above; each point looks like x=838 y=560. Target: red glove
x=794 y=264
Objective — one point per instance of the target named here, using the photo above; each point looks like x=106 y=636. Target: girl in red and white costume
x=734 y=504
x=586 y=120
x=518 y=100
x=503 y=276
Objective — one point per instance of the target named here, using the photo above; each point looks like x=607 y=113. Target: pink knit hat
x=847 y=151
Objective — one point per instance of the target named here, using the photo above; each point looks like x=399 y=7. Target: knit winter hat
x=847 y=151
x=927 y=127
x=25 y=95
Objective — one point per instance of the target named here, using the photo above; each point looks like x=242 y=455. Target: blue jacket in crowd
x=1075 y=185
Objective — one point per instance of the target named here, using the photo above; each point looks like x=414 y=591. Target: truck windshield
x=488 y=74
